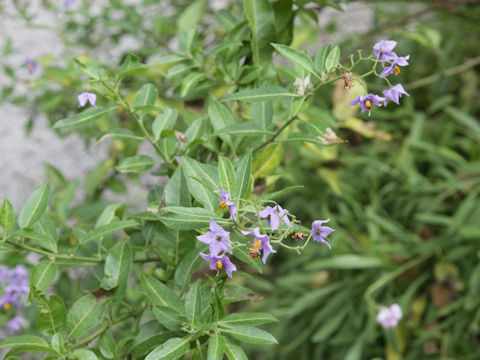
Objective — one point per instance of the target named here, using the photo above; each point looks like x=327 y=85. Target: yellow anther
x=6 y=306
x=396 y=70
x=223 y=205
x=256 y=245
x=219 y=265
x=30 y=66
x=368 y=105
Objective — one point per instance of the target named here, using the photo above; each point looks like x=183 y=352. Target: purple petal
x=274 y=222
x=266 y=212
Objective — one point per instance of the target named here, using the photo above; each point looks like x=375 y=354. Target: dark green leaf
x=85 y=313
x=117 y=266
x=193 y=303
x=170 y=350
x=297 y=57
x=160 y=294
x=35 y=206
x=216 y=347
x=250 y=334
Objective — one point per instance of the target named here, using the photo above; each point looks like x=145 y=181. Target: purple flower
x=87 y=96
x=217 y=238
x=394 y=66
x=394 y=94
x=220 y=262
x=320 y=232
x=261 y=242
x=389 y=317
x=16 y=289
x=69 y=3
x=277 y=215
x=31 y=65
x=367 y=101
x=383 y=50
x=16 y=324
x=4 y=274
x=225 y=201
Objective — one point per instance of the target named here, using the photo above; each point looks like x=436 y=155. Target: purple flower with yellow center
x=389 y=317
x=220 y=262
x=277 y=215
x=260 y=242
x=217 y=238
x=31 y=65
x=394 y=67
x=383 y=50
x=394 y=94
x=16 y=289
x=319 y=232
x=16 y=324
x=85 y=97
x=225 y=201
x=367 y=101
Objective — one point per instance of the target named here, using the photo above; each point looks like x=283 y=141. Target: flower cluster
x=15 y=290
x=383 y=53
x=389 y=317
x=220 y=245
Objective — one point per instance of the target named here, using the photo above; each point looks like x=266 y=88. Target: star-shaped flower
x=261 y=242
x=87 y=96
x=394 y=66
x=220 y=262
x=320 y=232
x=225 y=201
x=389 y=317
x=277 y=215
x=217 y=238
x=394 y=94
x=367 y=101
x=383 y=50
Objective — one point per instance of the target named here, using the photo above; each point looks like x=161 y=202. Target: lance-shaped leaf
x=52 y=314
x=202 y=180
x=170 y=350
x=226 y=172
x=164 y=121
x=146 y=96
x=268 y=160
x=43 y=274
x=320 y=58
x=43 y=240
x=117 y=266
x=135 y=164
x=216 y=347
x=26 y=343
x=332 y=59
x=84 y=118
x=189 y=264
x=169 y=318
x=243 y=129
x=160 y=294
x=186 y=218
x=262 y=115
x=269 y=93
x=261 y=20
x=193 y=303
x=119 y=134
x=189 y=83
x=84 y=354
x=108 y=229
x=7 y=215
x=243 y=174
x=234 y=352
x=250 y=334
x=176 y=191
x=247 y=319
x=35 y=206
x=150 y=335
x=221 y=116
x=297 y=57
x=85 y=313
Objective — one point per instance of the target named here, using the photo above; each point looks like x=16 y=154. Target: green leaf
x=331 y=62
x=187 y=218
x=244 y=129
x=146 y=96
x=190 y=263
x=159 y=294
x=43 y=274
x=268 y=93
x=243 y=174
x=262 y=115
x=465 y=120
x=282 y=192
x=320 y=57
x=35 y=206
x=135 y=164
x=247 y=319
x=167 y=147
x=332 y=323
x=150 y=335
x=84 y=118
x=189 y=83
x=84 y=354
x=84 y=314
x=26 y=343
x=193 y=303
x=250 y=334
x=42 y=240
x=117 y=266
x=118 y=134
x=261 y=19
x=164 y=121
x=202 y=180
x=169 y=318
x=170 y=350
x=108 y=229
x=297 y=57
x=108 y=214
x=167 y=60
x=7 y=215
x=130 y=65
x=349 y=261
x=226 y=173
x=221 y=116
x=176 y=191
x=267 y=161
x=234 y=352
x=52 y=314
x=107 y=346
x=216 y=347
x=191 y=16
